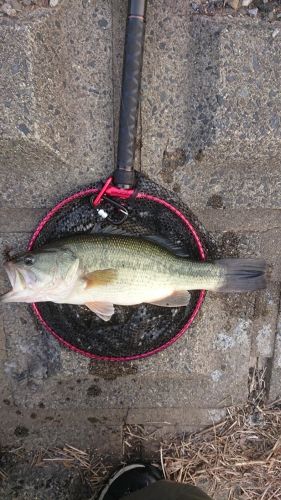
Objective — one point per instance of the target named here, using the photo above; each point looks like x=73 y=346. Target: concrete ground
x=210 y=131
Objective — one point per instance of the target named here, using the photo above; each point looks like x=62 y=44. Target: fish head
x=38 y=275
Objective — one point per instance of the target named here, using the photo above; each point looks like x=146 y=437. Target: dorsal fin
x=168 y=245
x=161 y=241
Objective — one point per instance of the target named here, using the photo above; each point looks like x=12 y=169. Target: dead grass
x=92 y=468
x=239 y=457
x=3 y=475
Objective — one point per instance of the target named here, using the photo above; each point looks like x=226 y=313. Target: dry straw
x=93 y=469
x=239 y=457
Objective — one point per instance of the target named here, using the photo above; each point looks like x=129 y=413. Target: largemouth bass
x=102 y=270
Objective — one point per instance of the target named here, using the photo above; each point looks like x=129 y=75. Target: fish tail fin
x=241 y=275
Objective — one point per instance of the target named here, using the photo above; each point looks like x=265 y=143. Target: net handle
x=124 y=176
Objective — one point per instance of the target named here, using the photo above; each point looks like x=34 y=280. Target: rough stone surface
x=209 y=130
x=45 y=428
x=57 y=105
x=221 y=335
x=211 y=109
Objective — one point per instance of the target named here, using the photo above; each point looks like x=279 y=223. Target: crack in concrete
x=261 y=369
x=270 y=361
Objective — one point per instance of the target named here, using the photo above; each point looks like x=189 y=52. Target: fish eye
x=29 y=260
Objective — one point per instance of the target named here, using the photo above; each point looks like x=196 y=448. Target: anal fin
x=176 y=299
x=103 y=310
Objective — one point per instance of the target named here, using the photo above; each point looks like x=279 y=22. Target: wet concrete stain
x=171 y=161
x=94 y=390
x=21 y=431
x=111 y=371
x=229 y=245
x=8 y=252
x=199 y=156
x=215 y=201
x=94 y=420
x=176 y=188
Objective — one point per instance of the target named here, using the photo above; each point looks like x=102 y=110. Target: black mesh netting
x=135 y=330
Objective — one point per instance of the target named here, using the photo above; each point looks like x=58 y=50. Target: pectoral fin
x=103 y=310
x=176 y=299
x=100 y=277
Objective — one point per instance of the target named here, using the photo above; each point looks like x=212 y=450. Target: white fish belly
x=129 y=287
x=120 y=296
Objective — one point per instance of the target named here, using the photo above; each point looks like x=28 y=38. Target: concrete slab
x=20 y=220
x=213 y=139
x=57 y=104
x=166 y=82
x=211 y=108
x=215 y=217
x=40 y=429
x=40 y=371
x=172 y=417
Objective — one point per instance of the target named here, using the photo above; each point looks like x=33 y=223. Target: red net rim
x=121 y=194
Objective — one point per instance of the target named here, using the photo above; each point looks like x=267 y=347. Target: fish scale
x=139 y=255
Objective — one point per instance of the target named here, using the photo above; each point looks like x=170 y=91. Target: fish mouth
x=25 y=285
x=16 y=278
x=20 y=291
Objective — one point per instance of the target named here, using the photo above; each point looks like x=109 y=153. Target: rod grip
x=134 y=41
